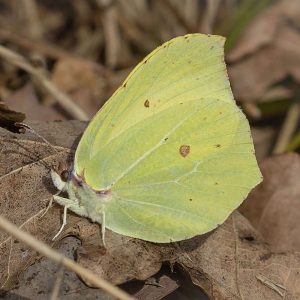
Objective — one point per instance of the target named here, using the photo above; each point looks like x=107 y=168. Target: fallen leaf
x=227 y=263
x=267 y=53
x=25 y=99
x=273 y=207
x=9 y=118
x=263 y=139
x=38 y=280
x=25 y=190
x=85 y=82
x=157 y=289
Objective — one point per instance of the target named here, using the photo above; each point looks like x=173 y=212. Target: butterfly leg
x=68 y=204
x=47 y=208
x=63 y=224
x=103 y=229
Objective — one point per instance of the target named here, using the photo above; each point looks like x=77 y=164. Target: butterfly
x=170 y=155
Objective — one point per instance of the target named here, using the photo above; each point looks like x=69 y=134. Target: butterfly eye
x=64 y=175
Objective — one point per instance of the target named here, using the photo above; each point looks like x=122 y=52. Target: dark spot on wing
x=218 y=146
x=147 y=103
x=124 y=85
x=186 y=37
x=166 y=138
x=104 y=193
x=189 y=61
x=204 y=119
x=216 y=183
x=146 y=61
x=191 y=199
x=184 y=150
x=220 y=112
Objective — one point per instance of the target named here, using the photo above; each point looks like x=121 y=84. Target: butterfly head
x=60 y=176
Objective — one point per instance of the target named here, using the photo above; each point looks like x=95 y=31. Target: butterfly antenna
x=30 y=129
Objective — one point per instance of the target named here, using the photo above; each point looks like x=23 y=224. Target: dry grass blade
x=64 y=100
x=287 y=129
x=57 y=283
x=45 y=250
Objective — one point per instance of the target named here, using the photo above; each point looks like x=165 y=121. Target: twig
x=112 y=36
x=288 y=128
x=34 y=26
x=44 y=48
x=210 y=14
x=57 y=283
x=62 y=98
x=272 y=285
x=45 y=250
x=180 y=19
x=252 y=110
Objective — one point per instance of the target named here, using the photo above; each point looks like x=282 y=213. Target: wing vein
x=148 y=152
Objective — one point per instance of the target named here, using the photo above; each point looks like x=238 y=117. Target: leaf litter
x=267 y=54
x=235 y=261
x=274 y=206
x=227 y=263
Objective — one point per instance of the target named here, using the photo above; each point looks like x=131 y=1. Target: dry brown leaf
x=230 y=263
x=85 y=82
x=267 y=52
x=26 y=100
x=38 y=281
x=263 y=138
x=25 y=190
x=274 y=206
x=9 y=118
x=227 y=265
x=157 y=289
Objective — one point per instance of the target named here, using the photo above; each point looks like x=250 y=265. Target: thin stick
x=34 y=26
x=288 y=128
x=62 y=98
x=44 y=48
x=57 y=283
x=45 y=250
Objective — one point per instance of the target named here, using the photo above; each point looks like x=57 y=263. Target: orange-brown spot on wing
x=147 y=103
x=184 y=150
